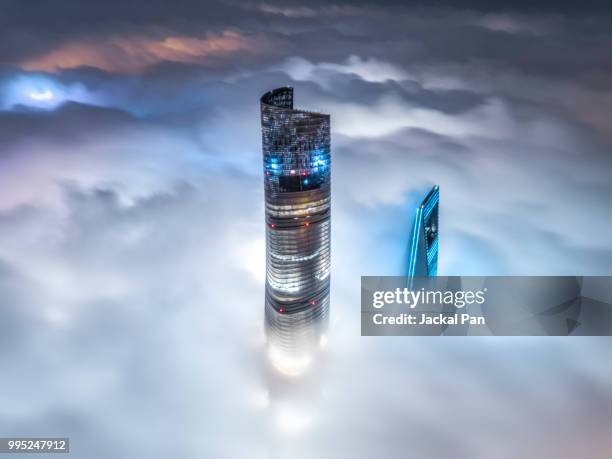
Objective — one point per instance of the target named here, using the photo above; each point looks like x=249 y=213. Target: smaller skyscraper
x=423 y=249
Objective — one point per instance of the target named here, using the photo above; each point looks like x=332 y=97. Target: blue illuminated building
x=424 y=239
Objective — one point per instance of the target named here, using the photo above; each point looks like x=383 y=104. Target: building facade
x=424 y=239
x=297 y=180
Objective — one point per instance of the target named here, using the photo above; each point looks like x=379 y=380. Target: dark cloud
x=548 y=37
x=30 y=30
x=72 y=121
x=351 y=88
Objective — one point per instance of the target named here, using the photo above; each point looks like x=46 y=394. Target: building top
x=282 y=99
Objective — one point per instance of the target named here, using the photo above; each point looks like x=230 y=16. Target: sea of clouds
x=132 y=236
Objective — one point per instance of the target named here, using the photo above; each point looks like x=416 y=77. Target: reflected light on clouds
x=288 y=364
x=134 y=54
x=41 y=92
x=42 y=95
x=370 y=69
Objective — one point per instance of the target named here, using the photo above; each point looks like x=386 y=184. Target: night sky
x=132 y=233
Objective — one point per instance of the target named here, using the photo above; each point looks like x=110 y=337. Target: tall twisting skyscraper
x=296 y=157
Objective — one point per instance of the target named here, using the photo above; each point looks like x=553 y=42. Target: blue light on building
x=424 y=239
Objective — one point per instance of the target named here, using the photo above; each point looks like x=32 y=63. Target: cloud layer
x=132 y=239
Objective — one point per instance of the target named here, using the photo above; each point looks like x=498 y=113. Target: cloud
x=135 y=54
x=132 y=234
x=370 y=70
x=37 y=91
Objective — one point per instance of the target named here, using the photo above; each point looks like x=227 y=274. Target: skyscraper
x=296 y=157
x=423 y=249
x=294 y=339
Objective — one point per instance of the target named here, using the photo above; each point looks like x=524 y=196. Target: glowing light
x=42 y=92
x=285 y=287
x=287 y=363
x=292 y=171
x=306 y=181
x=45 y=95
x=413 y=248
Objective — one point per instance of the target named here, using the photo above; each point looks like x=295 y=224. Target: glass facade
x=424 y=239
x=297 y=183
